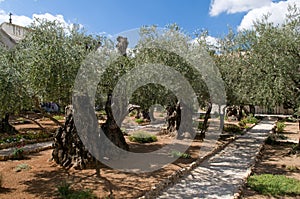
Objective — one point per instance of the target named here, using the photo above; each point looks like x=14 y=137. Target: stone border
x=26 y=152
x=258 y=155
x=177 y=175
x=15 y=144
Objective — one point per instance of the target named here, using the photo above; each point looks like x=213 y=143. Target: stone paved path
x=222 y=175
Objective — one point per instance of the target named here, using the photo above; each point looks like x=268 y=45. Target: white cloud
x=234 y=6
x=212 y=41
x=26 y=21
x=277 y=13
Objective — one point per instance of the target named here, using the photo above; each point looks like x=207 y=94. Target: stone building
x=11 y=34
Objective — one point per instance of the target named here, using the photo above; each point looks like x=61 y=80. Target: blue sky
x=114 y=16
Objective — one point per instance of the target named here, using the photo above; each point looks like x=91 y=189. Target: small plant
x=280 y=127
x=132 y=113
x=201 y=125
x=66 y=192
x=58 y=117
x=232 y=128
x=294 y=150
x=250 y=119
x=275 y=185
x=21 y=167
x=142 y=137
x=242 y=123
x=178 y=154
x=139 y=120
x=18 y=153
x=272 y=139
x=292 y=168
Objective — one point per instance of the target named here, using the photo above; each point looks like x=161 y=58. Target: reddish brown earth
x=44 y=176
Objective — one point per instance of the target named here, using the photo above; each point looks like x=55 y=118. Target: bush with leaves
x=66 y=192
x=142 y=137
x=280 y=127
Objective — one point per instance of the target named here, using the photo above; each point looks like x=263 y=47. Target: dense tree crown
x=262 y=66
x=259 y=66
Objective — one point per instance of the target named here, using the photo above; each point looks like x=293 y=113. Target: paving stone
x=222 y=175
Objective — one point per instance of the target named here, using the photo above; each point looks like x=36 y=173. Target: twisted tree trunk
x=69 y=150
x=6 y=127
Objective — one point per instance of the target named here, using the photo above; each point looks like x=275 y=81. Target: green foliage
x=132 y=113
x=142 y=137
x=250 y=119
x=242 y=123
x=178 y=154
x=21 y=167
x=292 y=168
x=272 y=139
x=58 y=117
x=66 y=192
x=139 y=120
x=18 y=153
x=30 y=135
x=201 y=125
x=275 y=185
x=232 y=128
x=261 y=66
x=280 y=127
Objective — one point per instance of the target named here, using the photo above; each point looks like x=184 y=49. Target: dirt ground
x=276 y=160
x=44 y=176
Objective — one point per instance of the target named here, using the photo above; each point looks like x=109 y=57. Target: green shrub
x=66 y=192
x=232 y=128
x=280 y=127
x=242 y=123
x=18 y=153
x=139 y=120
x=58 y=117
x=178 y=154
x=250 y=119
x=272 y=139
x=132 y=113
x=275 y=185
x=142 y=137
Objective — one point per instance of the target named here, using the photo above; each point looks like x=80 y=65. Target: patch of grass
x=142 y=137
x=280 y=127
x=275 y=185
x=66 y=192
x=21 y=167
x=232 y=128
x=178 y=154
x=250 y=119
x=139 y=120
x=58 y=117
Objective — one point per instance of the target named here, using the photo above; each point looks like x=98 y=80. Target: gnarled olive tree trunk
x=6 y=127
